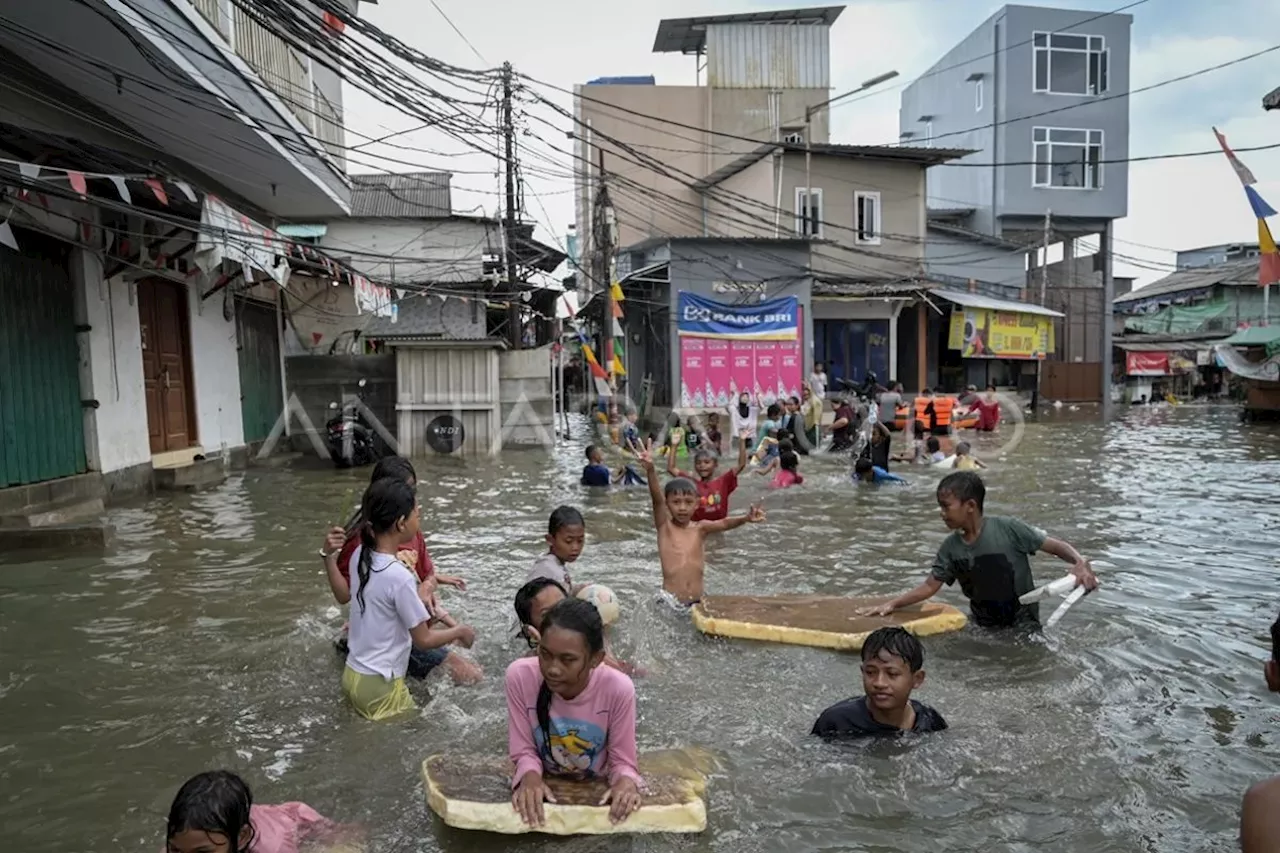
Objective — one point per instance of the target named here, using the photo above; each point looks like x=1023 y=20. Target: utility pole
x=514 y=326
x=1044 y=293
x=603 y=221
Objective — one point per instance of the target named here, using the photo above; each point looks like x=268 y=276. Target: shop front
x=993 y=342
x=1154 y=374
x=728 y=349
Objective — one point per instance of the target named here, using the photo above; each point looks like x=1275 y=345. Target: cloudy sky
x=1176 y=203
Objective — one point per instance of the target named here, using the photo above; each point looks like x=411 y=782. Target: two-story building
x=1041 y=96
x=149 y=149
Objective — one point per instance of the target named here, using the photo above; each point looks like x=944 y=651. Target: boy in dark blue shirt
x=866 y=472
x=596 y=473
x=892 y=667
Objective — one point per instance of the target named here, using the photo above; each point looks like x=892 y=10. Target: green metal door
x=260 y=402
x=41 y=419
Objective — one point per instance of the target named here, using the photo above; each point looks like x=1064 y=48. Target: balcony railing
x=279 y=65
x=214 y=13
x=329 y=129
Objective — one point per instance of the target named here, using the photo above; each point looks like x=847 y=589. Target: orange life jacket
x=942 y=408
x=922 y=403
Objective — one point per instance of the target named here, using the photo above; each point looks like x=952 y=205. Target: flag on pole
x=617 y=310
x=615 y=290
x=616 y=367
x=1269 y=255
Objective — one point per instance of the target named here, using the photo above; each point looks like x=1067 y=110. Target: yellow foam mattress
x=471 y=793
x=824 y=621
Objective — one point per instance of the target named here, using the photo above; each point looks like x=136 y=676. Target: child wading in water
x=785 y=467
x=713 y=491
x=596 y=473
x=345 y=544
x=389 y=617
x=214 y=813
x=566 y=537
x=680 y=538
x=568 y=716
x=988 y=555
x=892 y=667
x=534 y=599
x=965 y=460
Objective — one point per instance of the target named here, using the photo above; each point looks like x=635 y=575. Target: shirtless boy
x=680 y=538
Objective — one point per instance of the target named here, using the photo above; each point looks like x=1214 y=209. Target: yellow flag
x=616 y=367
x=615 y=290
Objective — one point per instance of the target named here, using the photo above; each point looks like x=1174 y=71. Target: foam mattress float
x=475 y=793
x=823 y=621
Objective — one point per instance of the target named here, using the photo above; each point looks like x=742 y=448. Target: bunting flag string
x=1269 y=254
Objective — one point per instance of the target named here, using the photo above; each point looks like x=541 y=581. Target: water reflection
x=203 y=639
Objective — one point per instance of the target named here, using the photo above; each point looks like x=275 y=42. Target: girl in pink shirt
x=571 y=717
x=214 y=813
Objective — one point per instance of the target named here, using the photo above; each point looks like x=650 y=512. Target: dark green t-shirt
x=993 y=571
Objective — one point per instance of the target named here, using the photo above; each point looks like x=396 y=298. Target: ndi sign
x=776 y=319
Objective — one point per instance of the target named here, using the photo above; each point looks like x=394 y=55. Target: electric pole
x=1044 y=292
x=603 y=221
x=514 y=326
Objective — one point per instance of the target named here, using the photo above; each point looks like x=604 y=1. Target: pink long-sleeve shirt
x=282 y=828
x=592 y=735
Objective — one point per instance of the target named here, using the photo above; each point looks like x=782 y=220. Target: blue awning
x=312 y=232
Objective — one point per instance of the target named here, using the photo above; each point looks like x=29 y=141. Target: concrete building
x=144 y=200
x=1209 y=256
x=1040 y=95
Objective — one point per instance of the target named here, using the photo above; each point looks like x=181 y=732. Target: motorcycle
x=351 y=439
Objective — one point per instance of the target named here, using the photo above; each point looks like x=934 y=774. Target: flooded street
x=204 y=639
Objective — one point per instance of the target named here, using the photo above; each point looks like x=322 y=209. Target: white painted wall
x=116 y=434
x=216 y=372
x=427 y=250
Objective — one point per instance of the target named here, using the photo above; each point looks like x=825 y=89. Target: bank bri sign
x=774 y=320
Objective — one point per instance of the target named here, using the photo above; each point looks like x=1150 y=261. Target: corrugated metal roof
x=901 y=153
x=1233 y=274
x=412 y=195
x=1272 y=100
x=977 y=300
x=689 y=35
x=755 y=56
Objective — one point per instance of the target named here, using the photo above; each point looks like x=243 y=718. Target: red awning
x=1146 y=363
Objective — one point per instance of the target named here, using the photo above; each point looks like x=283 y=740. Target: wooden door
x=162 y=312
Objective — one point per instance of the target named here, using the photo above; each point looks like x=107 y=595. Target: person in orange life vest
x=713 y=491
x=937 y=411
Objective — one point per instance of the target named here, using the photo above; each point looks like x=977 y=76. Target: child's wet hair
x=964 y=486
x=590 y=451
x=898 y=642
x=788 y=460
x=863 y=465
x=216 y=801
x=385 y=502
x=393 y=466
x=581 y=617
x=679 y=486
x=933 y=444
x=564 y=516
x=785 y=445
x=525 y=596
x=963 y=448
x=773 y=411
x=704 y=453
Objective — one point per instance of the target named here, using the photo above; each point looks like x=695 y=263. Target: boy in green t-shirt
x=989 y=557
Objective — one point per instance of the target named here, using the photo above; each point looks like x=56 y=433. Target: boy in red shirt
x=713 y=491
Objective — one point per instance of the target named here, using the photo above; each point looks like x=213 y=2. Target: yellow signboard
x=983 y=333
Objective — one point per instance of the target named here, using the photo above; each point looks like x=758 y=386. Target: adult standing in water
x=341 y=547
x=889 y=402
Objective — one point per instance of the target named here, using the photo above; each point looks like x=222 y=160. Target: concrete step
x=193 y=476
x=18 y=500
x=52 y=515
x=58 y=539
x=276 y=460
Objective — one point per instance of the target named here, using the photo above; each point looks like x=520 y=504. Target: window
x=977 y=96
x=866 y=218
x=793 y=136
x=928 y=134
x=1067 y=158
x=809 y=212
x=1070 y=64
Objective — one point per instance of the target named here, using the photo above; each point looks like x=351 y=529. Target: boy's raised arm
x=755 y=515
x=655 y=488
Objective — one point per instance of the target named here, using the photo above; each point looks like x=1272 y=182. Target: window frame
x=877 y=227
x=979 y=97
x=1100 y=87
x=802 y=219
x=1098 y=170
x=927 y=142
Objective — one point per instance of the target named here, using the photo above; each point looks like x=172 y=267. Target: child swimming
x=713 y=491
x=389 y=617
x=596 y=473
x=933 y=446
x=965 y=460
x=989 y=557
x=214 y=812
x=568 y=716
x=345 y=543
x=892 y=667
x=865 y=472
x=788 y=471
x=680 y=538
x=566 y=537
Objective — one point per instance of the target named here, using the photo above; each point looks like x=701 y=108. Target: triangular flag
x=1261 y=209
x=316 y=337
x=617 y=367
x=121 y=187
x=617 y=329
x=617 y=310
x=77 y=182
x=185 y=189
x=1269 y=260
x=29 y=170
x=158 y=189
x=1242 y=171
x=615 y=290
x=6 y=236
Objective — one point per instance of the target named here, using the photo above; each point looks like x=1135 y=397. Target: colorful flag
x=1269 y=255
x=617 y=368
x=617 y=310
x=1242 y=171
x=615 y=290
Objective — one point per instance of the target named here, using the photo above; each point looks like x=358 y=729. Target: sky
x=1173 y=203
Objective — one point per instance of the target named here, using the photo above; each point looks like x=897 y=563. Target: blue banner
x=774 y=320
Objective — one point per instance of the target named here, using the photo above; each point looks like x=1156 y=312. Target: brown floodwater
x=203 y=639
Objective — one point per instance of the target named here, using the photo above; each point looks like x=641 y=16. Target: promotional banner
x=718 y=371
x=1146 y=364
x=693 y=372
x=767 y=368
x=714 y=371
x=983 y=333
x=775 y=319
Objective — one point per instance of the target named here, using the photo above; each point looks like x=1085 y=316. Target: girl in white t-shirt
x=388 y=617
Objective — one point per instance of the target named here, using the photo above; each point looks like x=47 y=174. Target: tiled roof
x=414 y=195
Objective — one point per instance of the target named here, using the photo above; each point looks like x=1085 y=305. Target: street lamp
x=808 y=129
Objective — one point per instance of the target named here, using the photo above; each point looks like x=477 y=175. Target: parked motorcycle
x=351 y=439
